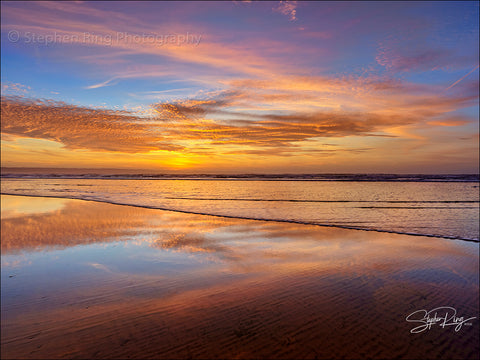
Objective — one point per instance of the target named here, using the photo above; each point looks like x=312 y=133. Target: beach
x=86 y=279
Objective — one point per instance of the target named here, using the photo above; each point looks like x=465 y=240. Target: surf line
x=248 y=218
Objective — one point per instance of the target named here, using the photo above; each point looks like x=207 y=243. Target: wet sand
x=91 y=280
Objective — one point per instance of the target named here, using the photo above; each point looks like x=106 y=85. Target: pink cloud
x=287 y=8
x=15 y=89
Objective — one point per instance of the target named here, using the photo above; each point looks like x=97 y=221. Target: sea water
x=441 y=207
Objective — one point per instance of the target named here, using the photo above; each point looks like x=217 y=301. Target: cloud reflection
x=238 y=242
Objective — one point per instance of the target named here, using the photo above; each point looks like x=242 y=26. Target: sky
x=241 y=86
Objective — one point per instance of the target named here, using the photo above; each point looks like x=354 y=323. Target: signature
x=442 y=316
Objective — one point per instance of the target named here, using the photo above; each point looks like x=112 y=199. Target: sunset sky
x=241 y=87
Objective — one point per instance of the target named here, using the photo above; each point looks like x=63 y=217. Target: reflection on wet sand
x=19 y=206
x=93 y=280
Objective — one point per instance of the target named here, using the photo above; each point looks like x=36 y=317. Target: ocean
x=437 y=206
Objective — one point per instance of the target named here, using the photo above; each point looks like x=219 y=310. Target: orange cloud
x=280 y=117
x=448 y=122
x=79 y=127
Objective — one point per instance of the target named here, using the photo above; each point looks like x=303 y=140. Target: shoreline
x=249 y=218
